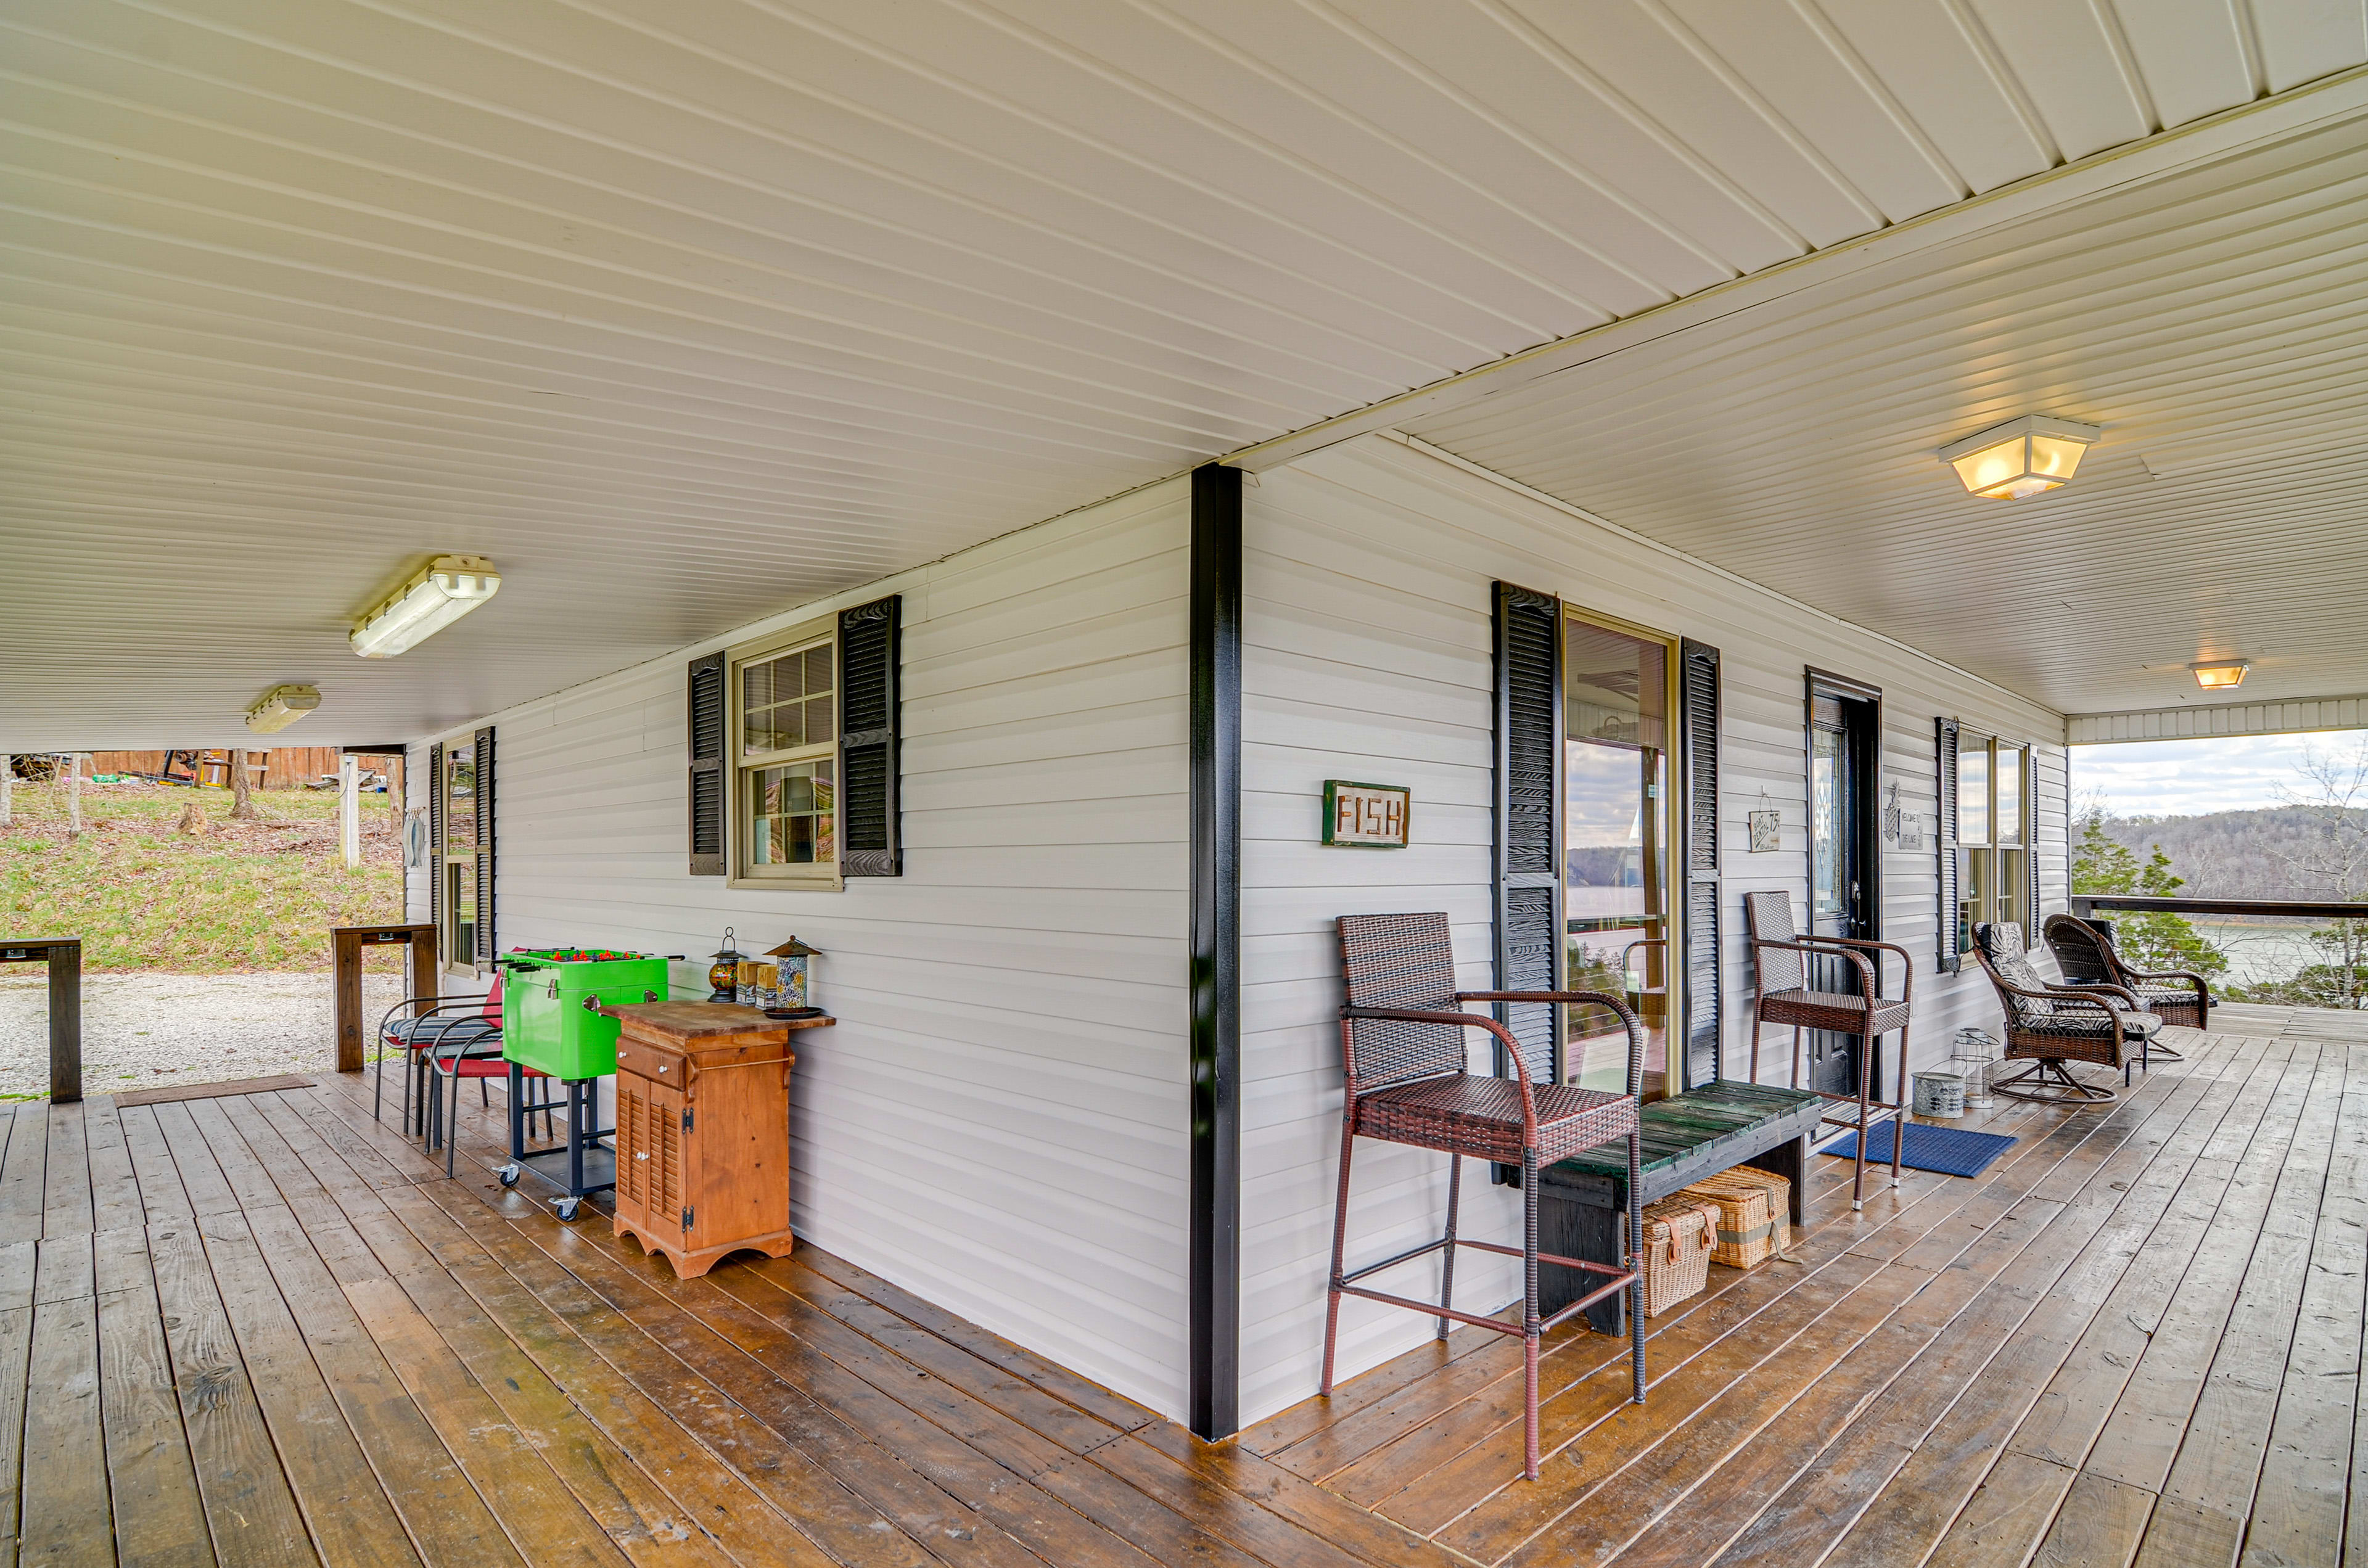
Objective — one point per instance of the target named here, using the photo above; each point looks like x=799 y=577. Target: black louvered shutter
x=1698 y=691
x=1529 y=818
x=485 y=840
x=870 y=650
x=2029 y=826
x=705 y=708
x=1946 y=793
x=436 y=851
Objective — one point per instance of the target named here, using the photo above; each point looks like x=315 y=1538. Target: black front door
x=1845 y=751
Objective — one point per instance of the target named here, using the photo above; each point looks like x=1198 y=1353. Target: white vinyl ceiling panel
x=2214 y=323
x=686 y=311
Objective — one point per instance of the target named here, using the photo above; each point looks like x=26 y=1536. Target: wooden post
x=65 y=1022
x=7 y=788
x=349 y=808
x=74 y=797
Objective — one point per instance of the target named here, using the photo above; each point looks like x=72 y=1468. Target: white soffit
x=2299 y=716
x=2213 y=321
x=687 y=311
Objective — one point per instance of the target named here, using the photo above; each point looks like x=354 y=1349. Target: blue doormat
x=1952 y=1151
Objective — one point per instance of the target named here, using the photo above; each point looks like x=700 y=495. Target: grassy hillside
x=240 y=897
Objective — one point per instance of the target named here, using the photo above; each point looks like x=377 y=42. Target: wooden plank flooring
x=264 y=1329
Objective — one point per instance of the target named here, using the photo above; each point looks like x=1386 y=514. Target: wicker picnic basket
x=1679 y=1234
x=1753 y=1207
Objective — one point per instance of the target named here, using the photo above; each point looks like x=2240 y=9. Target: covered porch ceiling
x=685 y=314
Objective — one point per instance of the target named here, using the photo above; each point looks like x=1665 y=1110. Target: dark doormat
x=212 y=1091
x=1952 y=1151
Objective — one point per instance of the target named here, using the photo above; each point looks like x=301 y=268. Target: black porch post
x=1216 y=794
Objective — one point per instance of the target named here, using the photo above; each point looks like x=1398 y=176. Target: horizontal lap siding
x=997 y=1122
x=1367 y=657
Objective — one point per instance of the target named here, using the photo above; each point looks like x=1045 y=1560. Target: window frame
x=459 y=959
x=1983 y=862
x=816 y=875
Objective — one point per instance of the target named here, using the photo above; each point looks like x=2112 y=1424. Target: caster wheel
x=568 y=1207
x=509 y=1174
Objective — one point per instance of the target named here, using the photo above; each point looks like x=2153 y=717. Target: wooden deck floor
x=264 y=1330
x=2135 y=1338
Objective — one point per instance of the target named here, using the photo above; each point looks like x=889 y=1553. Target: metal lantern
x=724 y=974
x=1974 y=1056
x=794 y=961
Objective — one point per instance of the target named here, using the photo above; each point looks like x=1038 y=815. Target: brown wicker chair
x=2050 y=1025
x=2084 y=955
x=1777 y=954
x=1403 y=1056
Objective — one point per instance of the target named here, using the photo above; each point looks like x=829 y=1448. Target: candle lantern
x=724 y=974
x=795 y=962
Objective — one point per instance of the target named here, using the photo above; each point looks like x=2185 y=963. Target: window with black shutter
x=1528 y=820
x=705 y=706
x=486 y=838
x=1954 y=932
x=795 y=764
x=869 y=657
x=1699 y=711
x=461 y=825
x=435 y=867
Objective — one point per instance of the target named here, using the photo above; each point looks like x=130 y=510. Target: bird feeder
x=794 y=961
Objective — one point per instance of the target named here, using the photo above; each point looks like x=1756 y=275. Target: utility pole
x=73 y=791
x=7 y=788
x=349 y=808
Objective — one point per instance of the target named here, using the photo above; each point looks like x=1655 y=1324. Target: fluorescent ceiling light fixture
x=2022 y=457
x=2220 y=674
x=280 y=706
x=449 y=588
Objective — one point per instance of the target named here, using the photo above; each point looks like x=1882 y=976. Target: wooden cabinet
x=703 y=1129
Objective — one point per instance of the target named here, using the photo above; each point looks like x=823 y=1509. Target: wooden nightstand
x=703 y=1129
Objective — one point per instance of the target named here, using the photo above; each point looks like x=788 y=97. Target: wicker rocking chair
x=2086 y=956
x=1402 y=1048
x=2050 y=1025
x=1785 y=997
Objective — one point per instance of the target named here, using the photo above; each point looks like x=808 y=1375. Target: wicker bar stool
x=2086 y=956
x=1777 y=951
x=1402 y=1053
x=2050 y=1025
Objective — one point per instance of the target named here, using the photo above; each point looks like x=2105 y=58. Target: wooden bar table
x=63 y=956
x=703 y=1129
x=345 y=945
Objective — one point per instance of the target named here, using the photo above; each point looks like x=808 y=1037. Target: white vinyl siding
x=1367 y=637
x=998 y=1120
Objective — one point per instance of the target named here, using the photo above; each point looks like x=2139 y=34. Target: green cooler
x=547 y=997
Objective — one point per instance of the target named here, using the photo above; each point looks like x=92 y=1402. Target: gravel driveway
x=142 y=1031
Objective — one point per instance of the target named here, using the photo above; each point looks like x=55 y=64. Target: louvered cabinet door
x=649 y=1155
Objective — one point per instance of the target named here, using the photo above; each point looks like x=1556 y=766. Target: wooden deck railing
x=2084 y=904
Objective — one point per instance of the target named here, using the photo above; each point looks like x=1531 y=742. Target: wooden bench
x=1686 y=1138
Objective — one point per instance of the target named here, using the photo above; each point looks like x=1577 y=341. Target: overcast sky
x=2190 y=777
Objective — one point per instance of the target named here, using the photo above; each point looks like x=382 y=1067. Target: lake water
x=2259 y=950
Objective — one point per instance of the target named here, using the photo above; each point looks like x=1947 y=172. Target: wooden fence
x=281 y=767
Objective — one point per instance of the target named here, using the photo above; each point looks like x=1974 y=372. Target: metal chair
x=1403 y=1057
x=1778 y=952
x=2086 y=956
x=2050 y=1025
x=454 y=1060
x=411 y=1028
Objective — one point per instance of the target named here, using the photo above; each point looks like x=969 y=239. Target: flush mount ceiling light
x=449 y=588
x=2022 y=457
x=280 y=706
x=2220 y=674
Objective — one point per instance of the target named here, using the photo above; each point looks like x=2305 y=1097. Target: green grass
x=242 y=896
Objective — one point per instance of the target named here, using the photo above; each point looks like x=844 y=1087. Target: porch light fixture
x=450 y=587
x=280 y=706
x=2022 y=457
x=2220 y=674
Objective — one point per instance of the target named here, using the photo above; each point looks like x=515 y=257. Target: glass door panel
x=1615 y=847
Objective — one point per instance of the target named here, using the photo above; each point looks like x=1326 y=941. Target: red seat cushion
x=483 y=1067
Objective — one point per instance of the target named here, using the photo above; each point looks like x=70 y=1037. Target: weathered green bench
x=1685 y=1138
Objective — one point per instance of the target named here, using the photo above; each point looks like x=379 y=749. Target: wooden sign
x=1366 y=816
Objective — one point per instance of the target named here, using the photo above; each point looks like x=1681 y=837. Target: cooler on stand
x=549 y=1024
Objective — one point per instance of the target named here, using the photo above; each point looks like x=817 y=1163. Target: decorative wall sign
x=1891 y=814
x=1765 y=839
x=1366 y=816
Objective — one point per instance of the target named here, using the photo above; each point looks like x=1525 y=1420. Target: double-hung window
x=1993 y=834
x=785 y=759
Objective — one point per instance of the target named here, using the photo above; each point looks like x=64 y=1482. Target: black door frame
x=1865 y=760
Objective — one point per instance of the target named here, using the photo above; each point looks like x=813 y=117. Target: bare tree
x=242 y=788
x=2332 y=856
